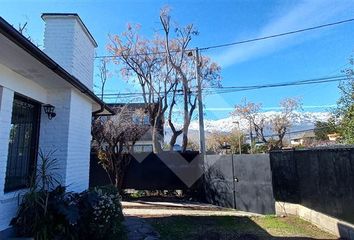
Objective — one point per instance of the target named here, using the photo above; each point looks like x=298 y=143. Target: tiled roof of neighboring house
x=307 y=134
x=16 y=37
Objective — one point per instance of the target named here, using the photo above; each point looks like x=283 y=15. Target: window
x=23 y=143
x=136 y=119
x=141 y=119
x=142 y=148
x=146 y=120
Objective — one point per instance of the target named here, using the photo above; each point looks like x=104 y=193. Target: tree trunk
x=174 y=137
x=185 y=141
x=156 y=146
x=185 y=133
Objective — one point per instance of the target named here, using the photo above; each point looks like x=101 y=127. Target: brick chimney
x=68 y=42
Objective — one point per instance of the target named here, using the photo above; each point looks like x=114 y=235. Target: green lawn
x=225 y=227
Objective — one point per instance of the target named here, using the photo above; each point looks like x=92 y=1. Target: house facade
x=140 y=116
x=46 y=103
x=303 y=138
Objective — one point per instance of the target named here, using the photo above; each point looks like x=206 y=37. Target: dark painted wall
x=148 y=171
x=254 y=191
x=218 y=178
x=244 y=181
x=321 y=179
x=251 y=192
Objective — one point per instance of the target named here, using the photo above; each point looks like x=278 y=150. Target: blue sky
x=300 y=56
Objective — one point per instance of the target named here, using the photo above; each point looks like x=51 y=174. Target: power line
x=222 y=90
x=240 y=42
x=278 y=35
x=315 y=80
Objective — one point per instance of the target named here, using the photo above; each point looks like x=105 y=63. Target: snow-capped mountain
x=300 y=121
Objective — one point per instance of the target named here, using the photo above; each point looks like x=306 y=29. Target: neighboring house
x=302 y=138
x=139 y=115
x=333 y=137
x=61 y=76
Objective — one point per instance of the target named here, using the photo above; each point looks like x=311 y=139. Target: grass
x=227 y=228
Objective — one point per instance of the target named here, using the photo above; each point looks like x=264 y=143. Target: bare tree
x=142 y=62
x=113 y=138
x=103 y=74
x=184 y=66
x=251 y=112
x=165 y=73
x=23 y=29
x=280 y=123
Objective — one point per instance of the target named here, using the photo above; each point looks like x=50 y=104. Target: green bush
x=100 y=210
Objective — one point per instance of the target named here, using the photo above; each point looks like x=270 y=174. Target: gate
x=243 y=182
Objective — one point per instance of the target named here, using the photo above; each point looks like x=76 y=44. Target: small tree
x=103 y=74
x=279 y=124
x=113 y=138
x=282 y=122
x=215 y=141
x=345 y=105
x=251 y=112
x=322 y=129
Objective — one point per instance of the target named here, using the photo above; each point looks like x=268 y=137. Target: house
x=333 y=137
x=139 y=115
x=47 y=103
x=302 y=138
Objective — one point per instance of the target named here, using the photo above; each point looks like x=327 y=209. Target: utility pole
x=239 y=137
x=251 y=138
x=200 y=106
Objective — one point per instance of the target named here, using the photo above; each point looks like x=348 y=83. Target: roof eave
x=16 y=37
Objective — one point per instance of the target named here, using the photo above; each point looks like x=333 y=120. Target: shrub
x=57 y=214
x=49 y=212
x=101 y=212
x=47 y=215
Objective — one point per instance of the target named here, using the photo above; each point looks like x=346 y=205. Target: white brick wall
x=54 y=133
x=83 y=56
x=69 y=45
x=6 y=97
x=69 y=133
x=77 y=171
x=7 y=207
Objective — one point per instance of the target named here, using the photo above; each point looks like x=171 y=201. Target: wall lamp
x=49 y=110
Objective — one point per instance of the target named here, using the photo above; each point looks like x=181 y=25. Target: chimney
x=68 y=42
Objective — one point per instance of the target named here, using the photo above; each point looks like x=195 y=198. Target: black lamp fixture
x=49 y=110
